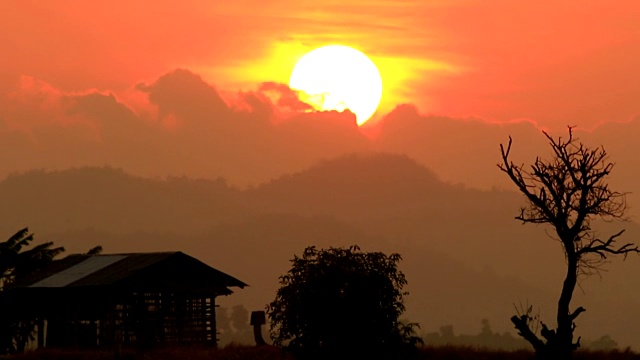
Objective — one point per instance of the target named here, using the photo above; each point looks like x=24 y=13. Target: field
x=270 y=353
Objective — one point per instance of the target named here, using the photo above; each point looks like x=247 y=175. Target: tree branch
x=567 y=191
x=516 y=174
x=602 y=248
x=576 y=313
x=522 y=326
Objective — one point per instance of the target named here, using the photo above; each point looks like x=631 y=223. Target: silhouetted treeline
x=487 y=338
x=233 y=326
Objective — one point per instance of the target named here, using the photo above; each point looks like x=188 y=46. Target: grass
x=473 y=353
x=230 y=352
x=240 y=352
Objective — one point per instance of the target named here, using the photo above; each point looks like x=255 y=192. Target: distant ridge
x=357 y=186
x=446 y=233
x=375 y=168
x=108 y=198
x=350 y=186
x=371 y=184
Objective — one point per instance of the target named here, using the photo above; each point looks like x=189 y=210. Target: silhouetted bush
x=342 y=304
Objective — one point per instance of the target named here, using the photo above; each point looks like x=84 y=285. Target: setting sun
x=337 y=77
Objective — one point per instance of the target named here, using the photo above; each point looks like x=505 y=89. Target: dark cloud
x=100 y=107
x=184 y=94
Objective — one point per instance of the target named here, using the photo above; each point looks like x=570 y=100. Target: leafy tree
x=17 y=261
x=223 y=326
x=240 y=320
x=603 y=343
x=233 y=327
x=341 y=303
x=567 y=192
x=239 y=317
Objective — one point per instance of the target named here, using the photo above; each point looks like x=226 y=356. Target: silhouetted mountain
x=365 y=186
x=465 y=256
x=109 y=199
x=354 y=184
x=395 y=197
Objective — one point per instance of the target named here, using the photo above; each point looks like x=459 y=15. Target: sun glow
x=337 y=77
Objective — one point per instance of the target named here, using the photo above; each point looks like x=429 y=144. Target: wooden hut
x=142 y=299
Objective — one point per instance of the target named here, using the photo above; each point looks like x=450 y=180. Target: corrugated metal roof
x=78 y=271
x=129 y=266
x=162 y=269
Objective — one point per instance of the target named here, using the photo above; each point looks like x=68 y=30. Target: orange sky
x=93 y=84
x=554 y=62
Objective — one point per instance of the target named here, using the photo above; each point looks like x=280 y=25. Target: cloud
x=183 y=94
x=555 y=63
x=259 y=135
x=104 y=112
x=284 y=96
x=194 y=132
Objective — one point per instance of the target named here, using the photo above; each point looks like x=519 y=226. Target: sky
x=199 y=88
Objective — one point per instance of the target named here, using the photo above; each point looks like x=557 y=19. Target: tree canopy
x=341 y=303
x=16 y=260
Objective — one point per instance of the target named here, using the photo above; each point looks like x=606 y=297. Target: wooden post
x=213 y=325
x=41 y=333
x=258 y=319
x=75 y=330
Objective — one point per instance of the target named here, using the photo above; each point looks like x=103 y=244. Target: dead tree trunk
x=566 y=192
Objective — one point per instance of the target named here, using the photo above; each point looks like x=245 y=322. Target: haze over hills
x=180 y=123
x=465 y=256
x=109 y=199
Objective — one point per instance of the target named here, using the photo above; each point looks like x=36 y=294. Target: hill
x=109 y=199
x=464 y=255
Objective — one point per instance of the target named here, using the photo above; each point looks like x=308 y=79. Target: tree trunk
x=563 y=345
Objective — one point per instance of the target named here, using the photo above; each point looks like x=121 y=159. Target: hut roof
x=168 y=271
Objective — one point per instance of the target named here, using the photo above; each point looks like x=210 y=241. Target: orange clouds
x=180 y=125
x=465 y=67
x=284 y=97
x=194 y=132
x=554 y=63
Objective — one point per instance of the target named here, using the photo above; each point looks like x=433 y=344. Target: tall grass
x=229 y=352
x=241 y=352
x=474 y=353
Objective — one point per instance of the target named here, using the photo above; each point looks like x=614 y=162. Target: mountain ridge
x=465 y=256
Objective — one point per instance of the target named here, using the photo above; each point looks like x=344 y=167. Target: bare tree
x=568 y=191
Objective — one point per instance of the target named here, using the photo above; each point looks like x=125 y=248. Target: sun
x=337 y=77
